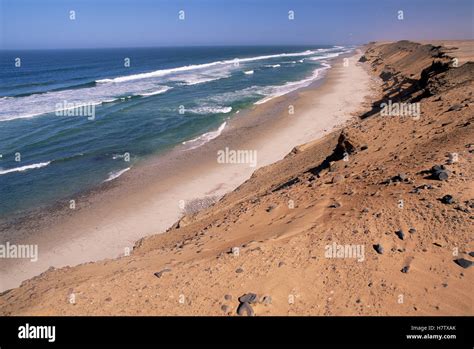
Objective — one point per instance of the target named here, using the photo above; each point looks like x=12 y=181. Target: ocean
x=73 y=119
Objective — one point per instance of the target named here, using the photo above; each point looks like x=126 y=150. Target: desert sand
x=262 y=248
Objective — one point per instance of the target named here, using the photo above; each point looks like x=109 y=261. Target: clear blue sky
x=121 y=23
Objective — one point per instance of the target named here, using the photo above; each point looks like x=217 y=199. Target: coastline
x=269 y=237
x=145 y=200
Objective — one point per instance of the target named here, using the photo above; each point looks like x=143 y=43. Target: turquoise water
x=70 y=118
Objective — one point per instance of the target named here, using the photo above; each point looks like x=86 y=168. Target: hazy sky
x=121 y=23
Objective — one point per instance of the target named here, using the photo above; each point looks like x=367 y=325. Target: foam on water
x=116 y=174
x=204 y=138
x=25 y=168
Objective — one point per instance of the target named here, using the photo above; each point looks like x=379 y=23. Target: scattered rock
x=335 y=205
x=228 y=297
x=239 y=270
x=471 y=254
x=400 y=234
x=245 y=309
x=412 y=230
x=405 y=269
x=463 y=263
x=378 y=248
x=160 y=273
x=280 y=264
x=447 y=199
x=401 y=177
x=225 y=308
x=421 y=187
x=248 y=298
x=439 y=172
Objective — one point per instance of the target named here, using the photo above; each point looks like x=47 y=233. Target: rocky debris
x=346 y=144
x=225 y=308
x=281 y=264
x=401 y=177
x=245 y=309
x=378 y=248
x=400 y=234
x=421 y=187
x=335 y=205
x=412 y=230
x=439 y=172
x=160 y=273
x=228 y=297
x=405 y=269
x=248 y=298
x=239 y=270
x=471 y=254
x=463 y=263
x=447 y=199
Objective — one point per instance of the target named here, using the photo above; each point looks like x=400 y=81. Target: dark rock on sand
x=400 y=234
x=239 y=270
x=405 y=269
x=248 y=298
x=378 y=248
x=399 y=177
x=412 y=230
x=245 y=309
x=439 y=172
x=463 y=263
x=228 y=297
x=447 y=199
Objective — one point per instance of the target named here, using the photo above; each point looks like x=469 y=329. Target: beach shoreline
x=146 y=200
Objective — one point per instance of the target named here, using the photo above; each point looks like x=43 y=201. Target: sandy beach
x=149 y=198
